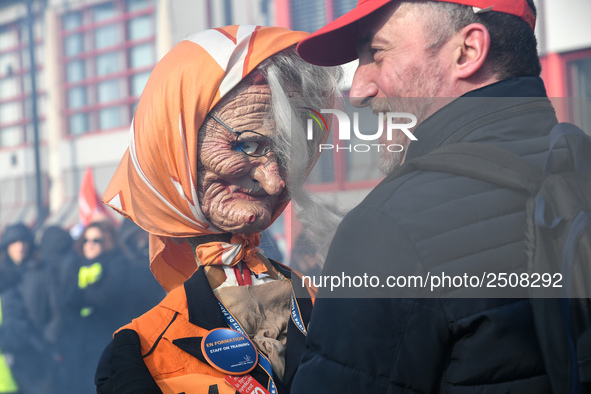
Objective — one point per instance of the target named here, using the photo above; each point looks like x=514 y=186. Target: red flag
x=90 y=207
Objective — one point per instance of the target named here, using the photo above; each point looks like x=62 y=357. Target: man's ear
x=472 y=50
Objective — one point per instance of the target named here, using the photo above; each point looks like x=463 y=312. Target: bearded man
x=469 y=71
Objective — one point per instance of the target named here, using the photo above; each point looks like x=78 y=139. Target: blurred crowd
x=61 y=299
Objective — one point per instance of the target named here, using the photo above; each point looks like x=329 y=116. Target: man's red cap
x=336 y=43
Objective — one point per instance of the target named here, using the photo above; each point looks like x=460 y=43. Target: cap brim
x=336 y=43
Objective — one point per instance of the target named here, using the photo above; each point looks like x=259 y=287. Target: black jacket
x=94 y=311
x=34 y=287
x=431 y=222
x=20 y=343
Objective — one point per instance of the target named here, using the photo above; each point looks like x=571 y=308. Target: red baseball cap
x=336 y=43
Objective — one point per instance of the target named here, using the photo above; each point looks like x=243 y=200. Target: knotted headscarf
x=155 y=183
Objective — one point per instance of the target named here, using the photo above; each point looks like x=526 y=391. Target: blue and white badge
x=229 y=351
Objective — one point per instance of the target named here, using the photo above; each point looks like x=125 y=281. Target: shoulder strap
x=578 y=142
x=479 y=161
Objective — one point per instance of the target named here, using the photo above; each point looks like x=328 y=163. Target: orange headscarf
x=154 y=184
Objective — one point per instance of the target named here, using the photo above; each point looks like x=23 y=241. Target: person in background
x=25 y=286
x=14 y=331
x=56 y=250
x=60 y=258
x=144 y=291
x=96 y=301
x=218 y=148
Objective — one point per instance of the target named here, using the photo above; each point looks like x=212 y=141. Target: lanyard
x=263 y=361
x=243 y=278
x=296 y=315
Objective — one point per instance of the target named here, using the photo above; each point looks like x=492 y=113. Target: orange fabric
x=167 y=360
x=171 y=367
x=218 y=253
x=154 y=184
x=174 y=370
x=195 y=384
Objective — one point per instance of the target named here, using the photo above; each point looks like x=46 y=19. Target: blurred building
x=564 y=38
x=93 y=58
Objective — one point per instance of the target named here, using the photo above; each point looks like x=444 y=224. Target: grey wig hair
x=296 y=85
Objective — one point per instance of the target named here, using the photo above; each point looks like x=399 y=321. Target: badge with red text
x=246 y=384
x=229 y=351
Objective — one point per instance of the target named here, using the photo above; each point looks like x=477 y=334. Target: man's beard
x=389 y=161
x=419 y=106
x=422 y=106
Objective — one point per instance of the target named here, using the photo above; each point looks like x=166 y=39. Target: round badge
x=229 y=351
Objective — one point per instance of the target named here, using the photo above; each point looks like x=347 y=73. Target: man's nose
x=267 y=175
x=363 y=88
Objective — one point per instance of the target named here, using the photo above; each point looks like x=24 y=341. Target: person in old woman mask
x=218 y=146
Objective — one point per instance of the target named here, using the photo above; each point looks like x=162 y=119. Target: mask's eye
x=253 y=144
x=248 y=147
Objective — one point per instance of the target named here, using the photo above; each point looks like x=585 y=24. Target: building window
x=323 y=171
x=73 y=45
x=138 y=82
x=311 y=15
x=75 y=71
x=15 y=81
x=341 y=7
x=11 y=112
x=109 y=63
x=8 y=37
x=71 y=20
x=106 y=36
x=78 y=123
x=112 y=117
x=109 y=90
x=140 y=27
x=103 y=12
x=348 y=164
x=580 y=88
x=134 y=5
x=307 y=15
x=108 y=51
x=9 y=62
x=141 y=55
x=77 y=97
x=10 y=136
x=343 y=169
x=9 y=87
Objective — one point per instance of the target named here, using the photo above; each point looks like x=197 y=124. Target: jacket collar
x=467 y=113
x=202 y=304
x=204 y=311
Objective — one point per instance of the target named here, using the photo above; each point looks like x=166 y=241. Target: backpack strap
x=479 y=161
x=579 y=148
x=580 y=161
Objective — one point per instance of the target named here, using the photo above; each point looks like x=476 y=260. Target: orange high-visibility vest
x=175 y=370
